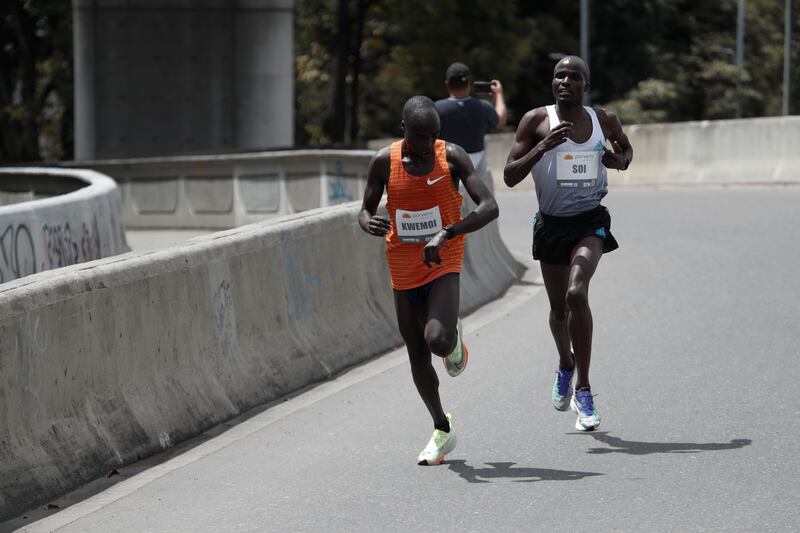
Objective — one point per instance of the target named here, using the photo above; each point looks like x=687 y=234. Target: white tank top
x=571 y=179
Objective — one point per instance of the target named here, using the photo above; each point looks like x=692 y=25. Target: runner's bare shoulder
x=603 y=113
x=454 y=151
x=532 y=121
x=384 y=154
x=609 y=120
x=381 y=164
x=458 y=161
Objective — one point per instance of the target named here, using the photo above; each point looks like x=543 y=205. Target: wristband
x=448 y=230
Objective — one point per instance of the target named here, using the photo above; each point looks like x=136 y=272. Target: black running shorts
x=417 y=295
x=554 y=238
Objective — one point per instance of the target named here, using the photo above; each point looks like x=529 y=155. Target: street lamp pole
x=585 y=42
x=739 y=55
x=787 y=55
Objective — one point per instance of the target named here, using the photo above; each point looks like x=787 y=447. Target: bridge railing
x=225 y=191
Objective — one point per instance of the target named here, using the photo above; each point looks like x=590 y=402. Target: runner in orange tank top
x=421 y=206
x=425 y=237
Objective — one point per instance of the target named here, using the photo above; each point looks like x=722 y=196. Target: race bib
x=418 y=226
x=576 y=170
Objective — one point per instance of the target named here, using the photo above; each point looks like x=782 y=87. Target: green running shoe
x=562 y=389
x=441 y=444
x=456 y=362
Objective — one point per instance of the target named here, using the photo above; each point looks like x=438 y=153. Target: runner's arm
x=622 y=155
x=377 y=176
x=485 y=211
x=528 y=148
x=486 y=208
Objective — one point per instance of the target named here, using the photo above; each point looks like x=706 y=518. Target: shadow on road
x=632 y=447
x=507 y=470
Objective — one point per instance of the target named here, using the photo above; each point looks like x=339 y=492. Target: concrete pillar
x=163 y=77
x=264 y=74
x=83 y=50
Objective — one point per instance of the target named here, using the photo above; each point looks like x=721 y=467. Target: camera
x=482 y=87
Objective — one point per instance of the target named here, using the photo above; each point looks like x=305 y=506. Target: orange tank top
x=419 y=207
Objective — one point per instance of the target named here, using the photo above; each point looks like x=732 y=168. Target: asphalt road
x=696 y=359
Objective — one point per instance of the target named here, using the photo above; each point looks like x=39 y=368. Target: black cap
x=457 y=74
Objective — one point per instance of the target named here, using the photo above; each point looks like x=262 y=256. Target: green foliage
x=651 y=60
x=651 y=101
x=35 y=80
x=485 y=34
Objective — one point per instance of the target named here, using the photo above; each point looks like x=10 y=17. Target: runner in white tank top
x=570 y=178
x=563 y=146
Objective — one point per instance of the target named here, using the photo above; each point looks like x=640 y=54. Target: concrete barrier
x=51 y=218
x=746 y=151
x=225 y=191
x=721 y=152
x=107 y=362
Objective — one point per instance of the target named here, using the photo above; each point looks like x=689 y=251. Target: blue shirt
x=465 y=121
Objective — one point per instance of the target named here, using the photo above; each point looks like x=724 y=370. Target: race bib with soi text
x=576 y=170
x=418 y=226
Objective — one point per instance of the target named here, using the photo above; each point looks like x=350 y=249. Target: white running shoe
x=583 y=405
x=441 y=444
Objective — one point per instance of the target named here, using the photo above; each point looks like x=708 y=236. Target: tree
x=35 y=80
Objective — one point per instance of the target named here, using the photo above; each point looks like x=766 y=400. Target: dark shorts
x=554 y=238
x=419 y=294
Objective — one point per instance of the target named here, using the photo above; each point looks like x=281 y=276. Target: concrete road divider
x=51 y=218
x=757 y=151
x=107 y=362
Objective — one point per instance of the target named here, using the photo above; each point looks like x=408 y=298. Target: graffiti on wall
x=17 y=252
x=337 y=185
x=59 y=246
x=300 y=285
x=62 y=248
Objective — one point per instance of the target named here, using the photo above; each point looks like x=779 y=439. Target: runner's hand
x=430 y=254
x=615 y=159
x=556 y=137
x=379 y=226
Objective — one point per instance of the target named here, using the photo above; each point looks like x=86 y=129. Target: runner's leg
x=583 y=264
x=411 y=318
x=556 y=283
x=443 y=305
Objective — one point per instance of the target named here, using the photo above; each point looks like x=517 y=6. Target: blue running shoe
x=583 y=404
x=562 y=389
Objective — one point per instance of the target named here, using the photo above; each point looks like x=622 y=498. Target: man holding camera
x=465 y=119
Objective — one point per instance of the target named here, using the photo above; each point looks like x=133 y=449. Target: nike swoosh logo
x=431 y=182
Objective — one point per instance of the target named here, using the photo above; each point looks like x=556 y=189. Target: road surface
x=695 y=366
